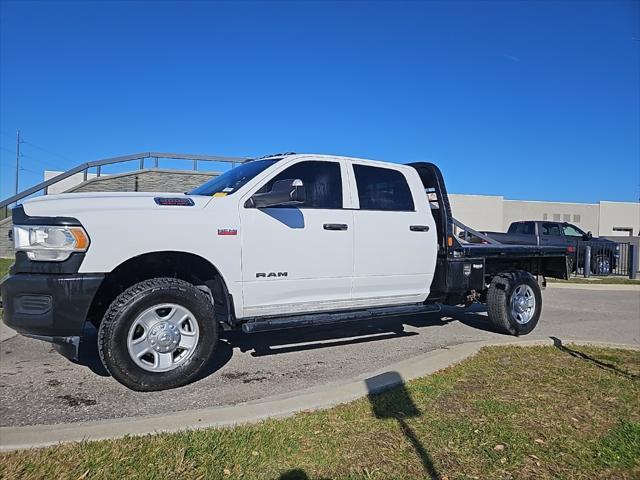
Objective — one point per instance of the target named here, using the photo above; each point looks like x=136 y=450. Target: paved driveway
x=38 y=386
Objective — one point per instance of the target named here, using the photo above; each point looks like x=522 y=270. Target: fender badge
x=227 y=231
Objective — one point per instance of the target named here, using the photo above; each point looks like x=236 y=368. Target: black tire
x=499 y=302
x=601 y=265
x=114 y=330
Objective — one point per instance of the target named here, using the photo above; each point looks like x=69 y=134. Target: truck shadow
x=472 y=316
x=303 y=339
x=348 y=333
x=351 y=333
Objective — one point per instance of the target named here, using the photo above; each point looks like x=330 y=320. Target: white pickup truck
x=277 y=242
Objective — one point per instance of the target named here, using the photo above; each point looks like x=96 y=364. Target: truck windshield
x=229 y=182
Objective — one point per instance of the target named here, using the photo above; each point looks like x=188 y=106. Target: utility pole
x=18 y=142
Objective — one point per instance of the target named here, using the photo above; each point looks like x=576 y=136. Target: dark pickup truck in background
x=604 y=253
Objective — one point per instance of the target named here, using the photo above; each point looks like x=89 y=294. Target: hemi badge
x=227 y=231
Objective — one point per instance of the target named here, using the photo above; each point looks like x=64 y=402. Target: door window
x=322 y=183
x=382 y=189
x=572 y=231
x=551 y=229
x=523 y=228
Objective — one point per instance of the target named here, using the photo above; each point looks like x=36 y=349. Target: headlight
x=49 y=243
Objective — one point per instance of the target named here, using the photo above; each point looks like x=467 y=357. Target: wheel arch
x=186 y=266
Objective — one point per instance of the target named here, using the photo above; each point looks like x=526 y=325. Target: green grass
x=509 y=412
x=5 y=263
x=598 y=280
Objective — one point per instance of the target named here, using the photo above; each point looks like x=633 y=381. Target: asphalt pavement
x=38 y=386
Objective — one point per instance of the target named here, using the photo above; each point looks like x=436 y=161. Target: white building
x=494 y=213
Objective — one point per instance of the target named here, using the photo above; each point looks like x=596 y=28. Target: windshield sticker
x=220 y=194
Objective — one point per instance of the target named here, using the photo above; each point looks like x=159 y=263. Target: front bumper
x=49 y=307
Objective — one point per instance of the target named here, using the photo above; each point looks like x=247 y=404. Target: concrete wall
x=66 y=184
x=480 y=212
x=150 y=180
x=619 y=215
x=484 y=212
x=584 y=215
x=6 y=246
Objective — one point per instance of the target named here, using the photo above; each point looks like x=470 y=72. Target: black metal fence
x=604 y=258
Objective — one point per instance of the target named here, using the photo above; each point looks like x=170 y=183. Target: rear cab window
x=522 y=228
x=383 y=189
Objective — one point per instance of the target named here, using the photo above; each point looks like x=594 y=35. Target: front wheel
x=158 y=334
x=514 y=302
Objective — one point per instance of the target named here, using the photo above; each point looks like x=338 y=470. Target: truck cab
x=278 y=242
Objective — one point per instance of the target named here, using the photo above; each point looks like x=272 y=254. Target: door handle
x=335 y=226
x=419 y=228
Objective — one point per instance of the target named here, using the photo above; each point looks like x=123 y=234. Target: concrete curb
x=594 y=286
x=13 y=438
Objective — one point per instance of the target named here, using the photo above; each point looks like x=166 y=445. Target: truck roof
x=282 y=156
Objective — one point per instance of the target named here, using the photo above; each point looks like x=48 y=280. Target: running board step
x=309 y=319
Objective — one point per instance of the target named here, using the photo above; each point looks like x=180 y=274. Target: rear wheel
x=514 y=302
x=601 y=265
x=158 y=334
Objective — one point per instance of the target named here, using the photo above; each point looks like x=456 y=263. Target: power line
x=22 y=169
x=40 y=161
x=47 y=151
x=31 y=157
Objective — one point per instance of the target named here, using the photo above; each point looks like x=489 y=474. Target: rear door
x=395 y=236
x=551 y=234
x=299 y=258
x=522 y=233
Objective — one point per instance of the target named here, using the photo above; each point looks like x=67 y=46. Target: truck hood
x=69 y=204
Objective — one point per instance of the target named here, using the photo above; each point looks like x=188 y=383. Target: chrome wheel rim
x=163 y=337
x=603 y=266
x=523 y=304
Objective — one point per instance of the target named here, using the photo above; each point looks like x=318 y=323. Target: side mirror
x=283 y=193
x=588 y=236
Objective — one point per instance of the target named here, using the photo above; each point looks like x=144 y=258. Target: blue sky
x=530 y=100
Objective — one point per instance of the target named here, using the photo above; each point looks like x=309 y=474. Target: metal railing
x=98 y=164
x=604 y=258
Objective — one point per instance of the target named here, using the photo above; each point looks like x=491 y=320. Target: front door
x=299 y=258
